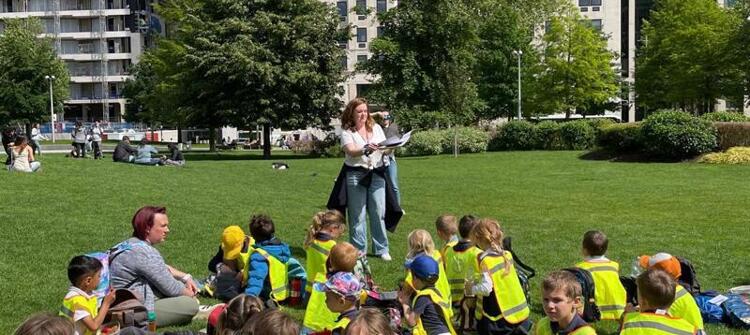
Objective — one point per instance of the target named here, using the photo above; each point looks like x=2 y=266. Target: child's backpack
x=106 y=258
x=591 y=311
x=688 y=279
x=127 y=310
x=297 y=279
x=525 y=272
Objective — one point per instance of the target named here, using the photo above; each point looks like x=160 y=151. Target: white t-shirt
x=375 y=160
x=79 y=314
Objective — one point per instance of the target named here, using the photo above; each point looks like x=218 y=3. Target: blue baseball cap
x=423 y=267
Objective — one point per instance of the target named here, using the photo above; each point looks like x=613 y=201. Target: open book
x=395 y=141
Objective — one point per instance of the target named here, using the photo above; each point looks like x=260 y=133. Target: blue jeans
x=363 y=200
x=392 y=173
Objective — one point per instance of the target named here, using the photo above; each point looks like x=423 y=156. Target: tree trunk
x=179 y=133
x=212 y=139
x=267 y=141
x=27 y=128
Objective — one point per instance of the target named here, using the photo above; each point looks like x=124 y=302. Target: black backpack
x=688 y=279
x=525 y=272
x=591 y=311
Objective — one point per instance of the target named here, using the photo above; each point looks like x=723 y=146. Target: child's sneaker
x=204 y=311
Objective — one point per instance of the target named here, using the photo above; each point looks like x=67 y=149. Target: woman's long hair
x=348 y=118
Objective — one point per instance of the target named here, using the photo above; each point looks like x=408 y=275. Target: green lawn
x=545 y=200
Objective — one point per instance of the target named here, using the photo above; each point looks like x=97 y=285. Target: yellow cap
x=231 y=242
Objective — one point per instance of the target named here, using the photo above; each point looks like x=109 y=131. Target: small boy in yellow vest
x=80 y=305
x=656 y=293
x=318 y=317
x=609 y=294
x=461 y=264
x=267 y=276
x=684 y=305
x=561 y=296
x=342 y=290
x=428 y=312
x=230 y=263
x=447 y=231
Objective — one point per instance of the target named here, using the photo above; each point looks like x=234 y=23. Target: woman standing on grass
x=365 y=177
x=23 y=156
x=163 y=289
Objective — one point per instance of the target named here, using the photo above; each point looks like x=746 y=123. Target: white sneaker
x=386 y=257
x=204 y=311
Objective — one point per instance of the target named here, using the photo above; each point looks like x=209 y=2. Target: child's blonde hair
x=420 y=241
x=370 y=321
x=237 y=312
x=447 y=224
x=322 y=220
x=271 y=322
x=45 y=324
x=488 y=232
x=343 y=257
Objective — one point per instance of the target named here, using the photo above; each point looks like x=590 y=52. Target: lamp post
x=51 y=108
x=519 y=53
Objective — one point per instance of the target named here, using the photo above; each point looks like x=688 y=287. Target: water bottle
x=636 y=268
x=152 y=321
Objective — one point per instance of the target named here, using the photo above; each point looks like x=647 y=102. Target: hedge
x=725 y=117
x=733 y=134
x=737 y=155
x=514 y=135
x=621 y=138
x=677 y=135
x=548 y=135
x=577 y=135
x=435 y=142
x=424 y=143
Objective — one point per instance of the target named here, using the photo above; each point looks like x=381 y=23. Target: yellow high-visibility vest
x=443 y=307
x=685 y=307
x=316 y=255
x=317 y=315
x=277 y=276
x=459 y=266
x=655 y=324
x=244 y=259
x=79 y=302
x=544 y=327
x=507 y=289
x=442 y=283
x=609 y=293
x=448 y=245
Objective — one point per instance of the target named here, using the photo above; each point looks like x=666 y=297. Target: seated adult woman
x=175 y=156
x=144 y=154
x=23 y=156
x=163 y=289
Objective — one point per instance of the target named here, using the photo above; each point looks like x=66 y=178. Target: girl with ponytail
x=325 y=229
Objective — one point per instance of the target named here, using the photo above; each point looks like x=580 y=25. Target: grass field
x=545 y=200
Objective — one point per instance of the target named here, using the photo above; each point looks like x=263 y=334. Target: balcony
x=88 y=35
x=98 y=79
x=84 y=57
x=65 y=13
x=80 y=100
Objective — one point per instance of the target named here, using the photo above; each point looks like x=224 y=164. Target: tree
x=686 y=60
x=425 y=62
x=25 y=60
x=274 y=63
x=575 y=70
x=740 y=48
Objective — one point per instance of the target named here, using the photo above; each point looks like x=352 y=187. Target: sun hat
x=423 y=267
x=231 y=242
x=345 y=284
x=662 y=261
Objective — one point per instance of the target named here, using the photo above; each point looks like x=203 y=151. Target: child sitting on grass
x=229 y=319
x=267 y=277
x=656 y=293
x=420 y=243
x=447 y=230
x=609 y=293
x=461 y=264
x=230 y=263
x=326 y=227
x=45 y=324
x=342 y=259
x=271 y=322
x=343 y=291
x=80 y=305
x=561 y=295
x=428 y=312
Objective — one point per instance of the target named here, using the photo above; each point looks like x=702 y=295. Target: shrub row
x=435 y=142
x=737 y=155
x=548 y=135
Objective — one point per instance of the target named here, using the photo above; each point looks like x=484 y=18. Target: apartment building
x=99 y=40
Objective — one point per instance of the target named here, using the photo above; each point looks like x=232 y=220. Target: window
x=380 y=31
x=361 y=7
x=584 y=9
x=596 y=24
x=361 y=58
x=343 y=9
x=596 y=2
x=595 y=9
x=584 y=2
x=381 y=6
x=344 y=62
x=361 y=35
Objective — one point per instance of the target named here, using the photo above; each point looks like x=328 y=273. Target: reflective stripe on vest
x=609 y=293
x=459 y=266
x=655 y=324
x=685 y=307
x=277 y=276
x=316 y=257
x=438 y=301
x=79 y=302
x=544 y=327
x=317 y=315
x=507 y=289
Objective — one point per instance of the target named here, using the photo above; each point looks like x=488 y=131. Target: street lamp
x=519 y=53
x=51 y=108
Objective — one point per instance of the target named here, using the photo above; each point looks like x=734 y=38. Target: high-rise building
x=99 y=40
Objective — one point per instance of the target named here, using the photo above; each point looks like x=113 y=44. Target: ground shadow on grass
x=603 y=155
x=241 y=156
x=297 y=252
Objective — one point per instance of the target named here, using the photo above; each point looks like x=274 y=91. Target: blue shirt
x=144 y=153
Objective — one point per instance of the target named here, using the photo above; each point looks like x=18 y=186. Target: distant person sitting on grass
x=145 y=149
x=175 y=156
x=124 y=152
x=23 y=156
